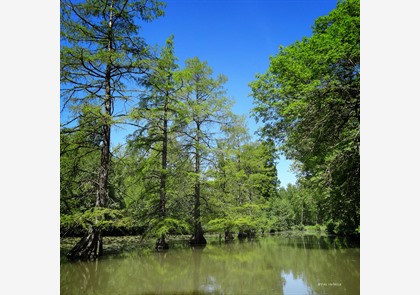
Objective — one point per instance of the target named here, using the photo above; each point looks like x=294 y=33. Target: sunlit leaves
x=309 y=102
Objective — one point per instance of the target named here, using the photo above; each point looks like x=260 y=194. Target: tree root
x=89 y=247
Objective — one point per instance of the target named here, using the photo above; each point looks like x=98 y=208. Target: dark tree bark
x=101 y=52
x=206 y=101
x=161 y=243
x=89 y=247
x=164 y=164
x=249 y=233
x=228 y=235
x=198 y=235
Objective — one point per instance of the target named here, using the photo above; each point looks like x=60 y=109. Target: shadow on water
x=322 y=242
x=265 y=265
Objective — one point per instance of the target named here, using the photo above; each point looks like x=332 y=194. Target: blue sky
x=236 y=38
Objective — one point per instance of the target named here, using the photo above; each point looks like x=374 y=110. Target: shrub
x=330 y=227
x=299 y=227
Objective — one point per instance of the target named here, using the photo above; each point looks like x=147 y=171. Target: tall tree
x=309 y=100
x=223 y=174
x=158 y=114
x=100 y=52
x=208 y=107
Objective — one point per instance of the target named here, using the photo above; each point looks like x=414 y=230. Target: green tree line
x=309 y=102
x=190 y=166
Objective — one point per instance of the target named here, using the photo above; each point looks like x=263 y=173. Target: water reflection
x=269 y=265
x=294 y=285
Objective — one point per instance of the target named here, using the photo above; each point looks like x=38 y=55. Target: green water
x=290 y=265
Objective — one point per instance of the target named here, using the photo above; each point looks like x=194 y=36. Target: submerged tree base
x=161 y=244
x=246 y=234
x=88 y=248
x=229 y=236
x=198 y=240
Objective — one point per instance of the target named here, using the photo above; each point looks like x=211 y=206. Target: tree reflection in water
x=269 y=265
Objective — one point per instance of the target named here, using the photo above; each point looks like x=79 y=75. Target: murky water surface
x=278 y=264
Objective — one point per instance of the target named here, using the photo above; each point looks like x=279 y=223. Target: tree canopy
x=309 y=101
x=190 y=165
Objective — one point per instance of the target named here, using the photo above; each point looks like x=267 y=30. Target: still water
x=277 y=264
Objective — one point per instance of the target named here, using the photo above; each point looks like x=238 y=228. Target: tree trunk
x=161 y=243
x=241 y=235
x=164 y=164
x=198 y=236
x=228 y=235
x=89 y=247
x=248 y=233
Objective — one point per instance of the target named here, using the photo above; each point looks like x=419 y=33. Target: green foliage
x=244 y=179
x=309 y=102
x=208 y=110
x=299 y=227
x=101 y=50
x=102 y=218
x=281 y=214
x=220 y=225
x=245 y=223
x=340 y=228
x=100 y=54
x=331 y=227
x=191 y=162
x=78 y=170
x=317 y=227
x=170 y=226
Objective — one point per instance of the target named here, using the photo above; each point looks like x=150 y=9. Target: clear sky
x=236 y=38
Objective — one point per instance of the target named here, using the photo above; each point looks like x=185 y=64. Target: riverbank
x=118 y=244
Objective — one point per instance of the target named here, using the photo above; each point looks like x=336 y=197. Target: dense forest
x=190 y=165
